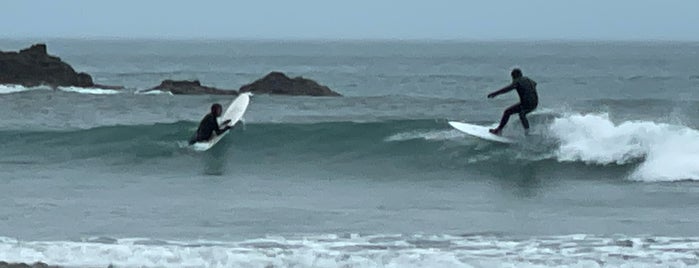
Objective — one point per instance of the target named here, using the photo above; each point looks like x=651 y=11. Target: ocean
x=377 y=178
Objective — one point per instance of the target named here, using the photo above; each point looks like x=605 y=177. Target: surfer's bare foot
x=495 y=131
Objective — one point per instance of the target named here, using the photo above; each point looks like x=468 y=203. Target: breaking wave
x=355 y=250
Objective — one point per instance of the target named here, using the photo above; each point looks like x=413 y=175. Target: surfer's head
x=516 y=73
x=216 y=109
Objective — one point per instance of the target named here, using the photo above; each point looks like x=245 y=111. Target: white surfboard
x=234 y=112
x=479 y=132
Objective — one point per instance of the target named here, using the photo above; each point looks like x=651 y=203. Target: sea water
x=376 y=178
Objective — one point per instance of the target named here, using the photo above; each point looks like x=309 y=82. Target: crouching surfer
x=209 y=125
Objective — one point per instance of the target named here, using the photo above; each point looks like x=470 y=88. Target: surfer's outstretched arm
x=502 y=90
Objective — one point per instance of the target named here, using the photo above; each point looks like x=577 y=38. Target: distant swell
x=144 y=73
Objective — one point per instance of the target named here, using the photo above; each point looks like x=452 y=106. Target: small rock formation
x=33 y=66
x=190 y=88
x=280 y=84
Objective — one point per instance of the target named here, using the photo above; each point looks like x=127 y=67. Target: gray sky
x=353 y=19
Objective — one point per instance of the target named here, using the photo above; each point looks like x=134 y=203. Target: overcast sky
x=353 y=19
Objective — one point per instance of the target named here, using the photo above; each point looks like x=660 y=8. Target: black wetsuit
x=207 y=127
x=528 y=100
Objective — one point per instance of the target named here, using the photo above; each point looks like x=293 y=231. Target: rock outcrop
x=279 y=84
x=33 y=66
x=190 y=88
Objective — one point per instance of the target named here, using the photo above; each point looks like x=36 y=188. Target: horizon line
x=350 y=40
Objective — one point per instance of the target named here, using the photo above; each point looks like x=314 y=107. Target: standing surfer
x=528 y=100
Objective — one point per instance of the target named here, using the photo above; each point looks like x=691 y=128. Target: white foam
x=154 y=92
x=364 y=251
x=666 y=152
x=7 y=89
x=95 y=91
x=674 y=157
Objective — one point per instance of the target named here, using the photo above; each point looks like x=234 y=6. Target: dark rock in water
x=279 y=83
x=35 y=67
x=190 y=88
x=24 y=265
